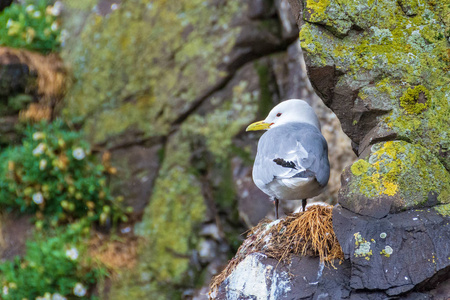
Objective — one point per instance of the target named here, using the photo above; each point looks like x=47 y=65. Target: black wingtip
x=283 y=163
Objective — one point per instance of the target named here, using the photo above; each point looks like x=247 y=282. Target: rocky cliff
x=164 y=92
x=382 y=67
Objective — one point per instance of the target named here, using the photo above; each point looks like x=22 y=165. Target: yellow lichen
x=443 y=209
x=390 y=188
x=415 y=100
x=400 y=169
x=405 y=52
x=359 y=167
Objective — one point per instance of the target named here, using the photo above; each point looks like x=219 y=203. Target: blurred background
x=125 y=167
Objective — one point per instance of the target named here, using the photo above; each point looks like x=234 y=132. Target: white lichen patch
x=266 y=283
x=362 y=247
x=387 y=251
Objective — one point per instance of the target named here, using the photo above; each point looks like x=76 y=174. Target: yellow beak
x=260 y=125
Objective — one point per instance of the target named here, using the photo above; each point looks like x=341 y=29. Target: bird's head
x=294 y=110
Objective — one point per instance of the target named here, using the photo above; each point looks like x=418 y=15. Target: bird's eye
x=278 y=114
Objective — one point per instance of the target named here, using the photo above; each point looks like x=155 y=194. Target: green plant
x=54 y=175
x=54 y=267
x=33 y=25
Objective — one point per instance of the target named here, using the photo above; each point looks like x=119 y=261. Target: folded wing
x=294 y=150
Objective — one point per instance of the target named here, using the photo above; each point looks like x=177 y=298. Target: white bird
x=292 y=157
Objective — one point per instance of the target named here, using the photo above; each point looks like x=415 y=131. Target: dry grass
x=114 y=254
x=309 y=233
x=51 y=79
x=36 y=112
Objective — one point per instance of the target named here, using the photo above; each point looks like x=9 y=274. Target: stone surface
x=168 y=89
x=382 y=67
x=259 y=277
x=16 y=76
x=394 y=177
x=137 y=168
x=371 y=62
x=380 y=251
x=379 y=263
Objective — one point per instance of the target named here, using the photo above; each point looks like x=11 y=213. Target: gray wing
x=292 y=150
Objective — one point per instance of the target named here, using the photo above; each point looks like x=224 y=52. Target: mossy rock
x=396 y=176
x=141 y=77
x=168 y=237
x=397 y=50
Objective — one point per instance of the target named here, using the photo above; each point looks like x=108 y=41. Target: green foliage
x=54 y=175
x=54 y=267
x=33 y=25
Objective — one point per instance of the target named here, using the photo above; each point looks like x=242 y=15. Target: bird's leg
x=276 y=207
x=303 y=204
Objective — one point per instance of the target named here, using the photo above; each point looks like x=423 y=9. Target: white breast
x=292 y=188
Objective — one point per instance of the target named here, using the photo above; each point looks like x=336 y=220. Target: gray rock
x=259 y=277
x=137 y=167
x=397 y=253
x=401 y=256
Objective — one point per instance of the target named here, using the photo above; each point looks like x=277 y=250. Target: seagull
x=292 y=158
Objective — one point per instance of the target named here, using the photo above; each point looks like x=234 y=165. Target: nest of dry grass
x=307 y=233
x=51 y=80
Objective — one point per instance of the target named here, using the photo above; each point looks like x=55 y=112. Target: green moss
x=223 y=123
x=80 y=4
x=443 y=209
x=408 y=172
x=411 y=100
x=175 y=210
x=328 y=13
x=140 y=77
x=168 y=237
x=311 y=43
x=397 y=49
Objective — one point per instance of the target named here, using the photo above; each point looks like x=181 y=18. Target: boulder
x=395 y=176
x=381 y=68
x=378 y=264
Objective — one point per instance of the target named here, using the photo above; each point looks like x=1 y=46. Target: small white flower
x=79 y=290
x=38 y=198
x=42 y=164
x=57 y=296
x=47 y=296
x=37 y=14
x=63 y=37
x=9 y=23
x=5 y=290
x=56 y=9
x=39 y=149
x=38 y=135
x=54 y=26
x=114 y=6
x=29 y=8
x=78 y=153
x=72 y=253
